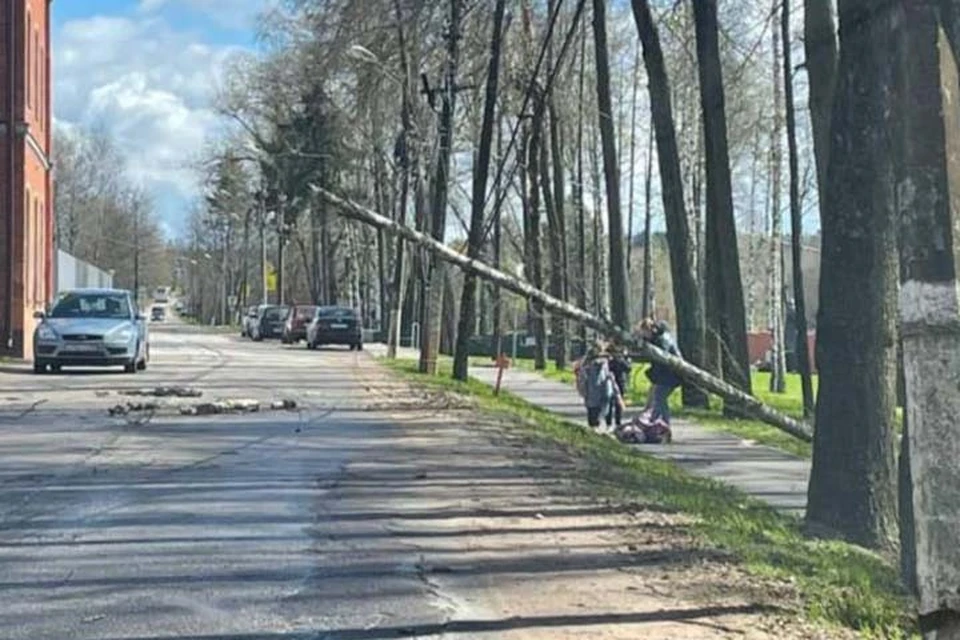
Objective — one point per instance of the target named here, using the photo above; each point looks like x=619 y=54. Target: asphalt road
x=374 y=510
x=280 y=524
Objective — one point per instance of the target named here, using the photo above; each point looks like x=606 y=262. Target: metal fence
x=73 y=273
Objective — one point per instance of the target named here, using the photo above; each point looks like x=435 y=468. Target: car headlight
x=121 y=334
x=46 y=334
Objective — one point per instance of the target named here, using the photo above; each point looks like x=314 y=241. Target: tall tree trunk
x=531 y=245
x=686 y=292
x=578 y=192
x=752 y=406
x=619 y=291
x=497 y=244
x=480 y=170
x=778 y=369
x=726 y=325
x=633 y=163
x=820 y=47
x=649 y=305
x=929 y=219
x=852 y=481
x=433 y=284
x=801 y=347
x=555 y=243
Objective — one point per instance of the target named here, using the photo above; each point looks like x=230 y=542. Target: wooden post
x=503 y=362
x=928 y=193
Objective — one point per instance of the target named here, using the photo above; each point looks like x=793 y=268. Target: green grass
x=790 y=402
x=838 y=583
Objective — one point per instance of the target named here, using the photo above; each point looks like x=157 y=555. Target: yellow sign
x=271 y=275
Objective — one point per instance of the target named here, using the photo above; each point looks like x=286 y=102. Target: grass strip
x=838 y=583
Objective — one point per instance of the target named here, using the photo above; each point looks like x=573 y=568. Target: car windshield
x=274 y=314
x=336 y=312
x=92 y=305
x=305 y=313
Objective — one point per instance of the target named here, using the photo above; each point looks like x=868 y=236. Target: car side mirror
x=39 y=315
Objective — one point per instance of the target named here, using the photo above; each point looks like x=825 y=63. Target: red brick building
x=26 y=188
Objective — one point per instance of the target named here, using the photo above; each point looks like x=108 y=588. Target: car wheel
x=359 y=346
x=39 y=368
x=130 y=367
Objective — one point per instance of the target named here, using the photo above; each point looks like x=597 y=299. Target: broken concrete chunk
x=164 y=392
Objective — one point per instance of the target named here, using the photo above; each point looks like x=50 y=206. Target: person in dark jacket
x=663 y=379
x=620 y=368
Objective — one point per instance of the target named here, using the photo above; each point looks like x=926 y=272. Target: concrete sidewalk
x=768 y=474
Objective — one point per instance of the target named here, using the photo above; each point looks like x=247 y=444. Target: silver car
x=92 y=328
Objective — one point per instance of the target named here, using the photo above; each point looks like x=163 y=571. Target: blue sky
x=147 y=71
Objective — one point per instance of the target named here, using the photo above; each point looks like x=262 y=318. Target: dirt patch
x=533 y=552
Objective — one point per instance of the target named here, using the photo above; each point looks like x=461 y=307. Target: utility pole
x=432 y=289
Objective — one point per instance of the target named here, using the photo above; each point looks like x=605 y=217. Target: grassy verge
x=838 y=583
x=790 y=402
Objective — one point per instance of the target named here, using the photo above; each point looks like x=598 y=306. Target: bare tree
x=778 y=367
x=480 y=171
x=686 y=293
x=619 y=292
x=726 y=325
x=801 y=347
x=852 y=490
x=433 y=291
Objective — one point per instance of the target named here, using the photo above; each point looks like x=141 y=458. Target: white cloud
x=233 y=14
x=149 y=85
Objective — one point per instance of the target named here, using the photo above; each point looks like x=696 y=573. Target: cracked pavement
x=372 y=511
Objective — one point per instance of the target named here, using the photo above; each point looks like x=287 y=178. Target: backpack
x=598 y=383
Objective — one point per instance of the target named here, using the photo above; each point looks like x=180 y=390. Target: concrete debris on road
x=218 y=407
x=164 y=392
x=132 y=407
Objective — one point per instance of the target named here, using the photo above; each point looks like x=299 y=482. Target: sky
x=146 y=71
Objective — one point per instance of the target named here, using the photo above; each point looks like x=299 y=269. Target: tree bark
x=578 y=192
x=433 y=290
x=531 y=244
x=686 y=292
x=649 y=306
x=928 y=208
x=801 y=347
x=555 y=243
x=480 y=172
x=619 y=291
x=820 y=47
x=726 y=325
x=751 y=406
x=852 y=481
x=778 y=370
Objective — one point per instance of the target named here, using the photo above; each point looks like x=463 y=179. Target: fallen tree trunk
x=749 y=404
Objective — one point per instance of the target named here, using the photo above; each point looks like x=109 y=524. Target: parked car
x=295 y=328
x=269 y=322
x=92 y=328
x=158 y=314
x=335 y=325
x=248 y=320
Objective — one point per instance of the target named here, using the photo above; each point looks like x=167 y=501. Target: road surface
x=369 y=512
